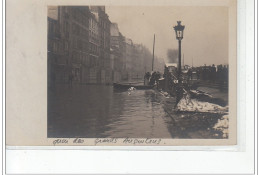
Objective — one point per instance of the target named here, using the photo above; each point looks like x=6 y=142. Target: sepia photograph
x=145 y=84
x=138 y=72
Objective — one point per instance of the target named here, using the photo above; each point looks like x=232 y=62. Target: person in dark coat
x=198 y=74
x=153 y=78
x=147 y=77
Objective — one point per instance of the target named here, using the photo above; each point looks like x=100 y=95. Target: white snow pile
x=132 y=89
x=222 y=125
x=193 y=105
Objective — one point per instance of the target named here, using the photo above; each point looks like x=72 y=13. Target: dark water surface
x=91 y=111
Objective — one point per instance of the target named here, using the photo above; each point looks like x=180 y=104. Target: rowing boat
x=127 y=86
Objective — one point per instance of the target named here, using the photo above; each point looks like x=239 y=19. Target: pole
x=179 y=90
x=179 y=66
x=153 y=50
x=183 y=60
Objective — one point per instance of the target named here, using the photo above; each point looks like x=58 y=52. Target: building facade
x=118 y=53
x=94 y=49
x=75 y=28
x=84 y=33
x=58 y=55
x=83 y=45
x=104 y=72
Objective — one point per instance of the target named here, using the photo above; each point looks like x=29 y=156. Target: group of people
x=151 y=79
x=216 y=74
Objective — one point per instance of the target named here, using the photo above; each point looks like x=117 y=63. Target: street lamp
x=179 y=36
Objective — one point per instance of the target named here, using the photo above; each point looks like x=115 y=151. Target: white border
x=2 y=76
x=195 y=162
x=257 y=106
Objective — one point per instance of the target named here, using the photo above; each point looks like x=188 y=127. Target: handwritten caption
x=108 y=141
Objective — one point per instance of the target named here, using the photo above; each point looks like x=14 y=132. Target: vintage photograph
x=138 y=72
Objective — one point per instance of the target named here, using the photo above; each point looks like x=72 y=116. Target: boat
x=127 y=86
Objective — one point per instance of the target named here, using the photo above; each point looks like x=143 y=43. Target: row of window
x=93 y=37
x=80 y=44
x=85 y=46
x=94 y=49
x=85 y=59
x=93 y=24
x=77 y=57
x=78 y=30
x=57 y=46
x=105 y=25
x=66 y=27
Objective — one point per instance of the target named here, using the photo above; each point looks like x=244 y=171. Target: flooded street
x=91 y=111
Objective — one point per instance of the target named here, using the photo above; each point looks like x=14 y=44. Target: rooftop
x=114 y=31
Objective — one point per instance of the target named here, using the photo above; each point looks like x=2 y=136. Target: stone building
x=104 y=72
x=53 y=40
x=117 y=51
x=75 y=29
x=129 y=58
x=85 y=45
x=94 y=49
x=138 y=61
x=122 y=47
x=84 y=49
x=159 y=64
x=57 y=50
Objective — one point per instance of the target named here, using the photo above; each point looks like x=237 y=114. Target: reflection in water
x=100 y=111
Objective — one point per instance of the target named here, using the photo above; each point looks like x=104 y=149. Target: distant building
x=129 y=58
x=147 y=59
x=138 y=62
x=159 y=64
x=122 y=47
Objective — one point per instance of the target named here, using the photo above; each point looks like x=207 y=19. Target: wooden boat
x=127 y=86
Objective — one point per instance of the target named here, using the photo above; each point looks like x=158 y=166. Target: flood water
x=91 y=111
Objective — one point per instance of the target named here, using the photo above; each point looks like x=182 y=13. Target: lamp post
x=179 y=36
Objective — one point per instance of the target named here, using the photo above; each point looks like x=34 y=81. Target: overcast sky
x=205 y=35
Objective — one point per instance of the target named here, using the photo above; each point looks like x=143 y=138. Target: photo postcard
x=121 y=74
